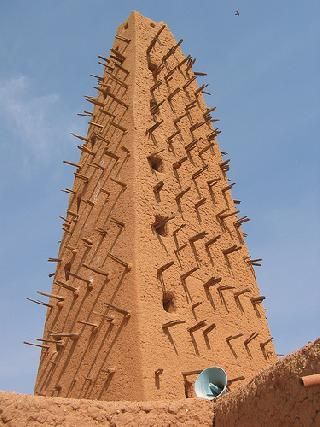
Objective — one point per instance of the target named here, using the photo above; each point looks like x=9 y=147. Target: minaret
x=154 y=281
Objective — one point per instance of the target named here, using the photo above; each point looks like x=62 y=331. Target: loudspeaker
x=211 y=383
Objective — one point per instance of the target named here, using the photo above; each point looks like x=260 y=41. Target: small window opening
x=152 y=67
x=106 y=91
x=168 y=301
x=78 y=203
x=155 y=163
x=67 y=268
x=188 y=389
x=160 y=225
x=93 y=139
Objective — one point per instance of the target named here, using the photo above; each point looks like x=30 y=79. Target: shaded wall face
x=192 y=262
x=276 y=396
x=154 y=282
x=94 y=280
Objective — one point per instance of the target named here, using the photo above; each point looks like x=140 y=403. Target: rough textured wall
x=96 y=265
x=198 y=297
x=153 y=281
x=276 y=397
x=35 y=411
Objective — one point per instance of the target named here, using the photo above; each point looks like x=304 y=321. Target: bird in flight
x=237 y=13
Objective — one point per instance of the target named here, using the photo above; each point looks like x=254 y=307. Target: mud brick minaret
x=154 y=281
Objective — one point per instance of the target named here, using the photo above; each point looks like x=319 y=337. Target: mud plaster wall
x=23 y=410
x=197 y=258
x=96 y=256
x=151 y=229
x=274 y=397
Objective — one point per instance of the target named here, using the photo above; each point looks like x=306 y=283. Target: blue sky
x=263 y=69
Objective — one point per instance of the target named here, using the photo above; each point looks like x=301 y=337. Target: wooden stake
x=82 y=177
x=198 y=236
x=36 y=345
x=84 y=322
x=85 y=114
x=257 y=300
x=164 y=267
x=54 y=296
x=193 y=78
x=234 y=337
x=108 y=318
x=195 y=305
x=208 y=329
x=121 y=58
x=85 y=149
x=172 y=323
x=126 y=265
x=120 y=82
x=251 y=337
x=54 y=259
x=263 y=344
x=87 y=241
x=68 y=190
x=153 y=128
x=241 y=221
x=199 y=172
x=94 y=101
x=96 y=125
x=155 y=86
x=197 y=326
x=172 y=94
x=76 y=165
x=211 y=282
x=124 y=39
x=66 y=286
x=198 y=73
x=36 y=301
x=120 y=310
x=96 y=270
x=82 y=138
x=226 y=215
x=58 y=343
x=233 y=248
x=256 y=262
x=243 y=291
x=71 y=335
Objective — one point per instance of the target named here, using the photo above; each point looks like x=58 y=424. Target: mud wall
x=90 y=337
x=154 y=281
x=198 y=297
x=274 y=397
x=35 y=411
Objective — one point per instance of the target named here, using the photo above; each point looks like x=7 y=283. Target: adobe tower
x=154 y=281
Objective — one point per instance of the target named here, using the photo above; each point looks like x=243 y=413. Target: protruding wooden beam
x=172 y=323
x=125 y=313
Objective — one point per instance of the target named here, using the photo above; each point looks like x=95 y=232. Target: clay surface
x=154 y=281
x=274 y=397
x=33 y=411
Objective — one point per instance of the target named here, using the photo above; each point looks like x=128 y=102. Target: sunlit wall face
x=263 y=76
